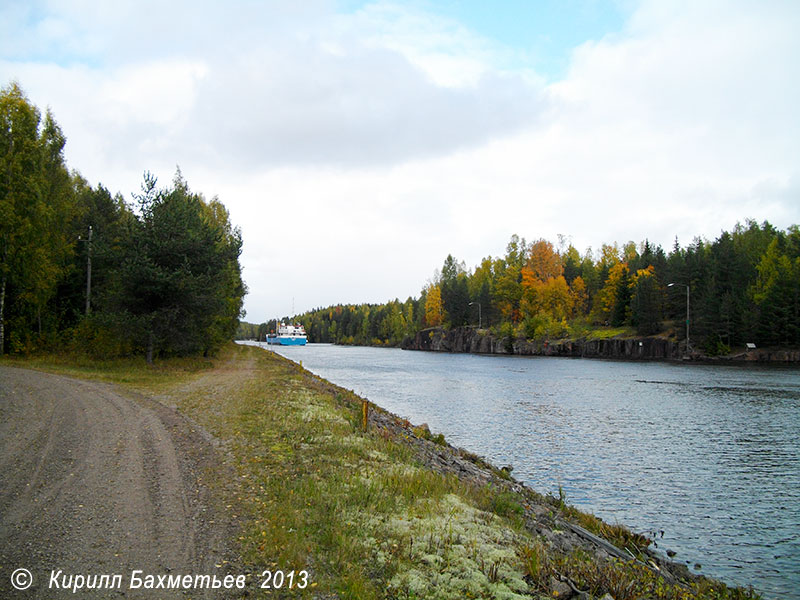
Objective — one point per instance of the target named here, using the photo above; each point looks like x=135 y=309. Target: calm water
x=708 y=454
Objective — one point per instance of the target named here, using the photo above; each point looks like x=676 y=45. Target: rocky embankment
x=471 y=340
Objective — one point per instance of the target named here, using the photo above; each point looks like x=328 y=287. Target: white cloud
x=366 y=106
x=159 y=93
x=448 y=53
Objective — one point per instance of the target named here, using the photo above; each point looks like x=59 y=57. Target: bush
x=579 y=328
x=714 y=346
x=101 y=336
x=544 y=326
x=506 y=331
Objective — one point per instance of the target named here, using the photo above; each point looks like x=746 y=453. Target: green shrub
x=543 y=326
x=714 y=346
x=101 y=336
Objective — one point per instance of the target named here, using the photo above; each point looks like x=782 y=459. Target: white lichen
x=453 y=552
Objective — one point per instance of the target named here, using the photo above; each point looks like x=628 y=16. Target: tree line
x=744 y=287
x=85 y=270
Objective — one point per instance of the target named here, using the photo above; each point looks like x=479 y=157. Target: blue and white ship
x=288 y=335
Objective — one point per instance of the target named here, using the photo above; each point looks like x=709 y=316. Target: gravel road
x=95 y=480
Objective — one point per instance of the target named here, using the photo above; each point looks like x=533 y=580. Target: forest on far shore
x=743 y=287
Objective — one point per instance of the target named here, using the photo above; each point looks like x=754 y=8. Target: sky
x=357 y=144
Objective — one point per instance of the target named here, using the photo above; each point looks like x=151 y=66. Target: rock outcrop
x=471 y=340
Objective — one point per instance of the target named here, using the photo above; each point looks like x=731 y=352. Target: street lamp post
x=88 y=270
x=687 y=313
x=479 y=313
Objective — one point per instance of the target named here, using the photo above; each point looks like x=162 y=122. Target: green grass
x=605 y=333
x=132 y=371
x=355 y=509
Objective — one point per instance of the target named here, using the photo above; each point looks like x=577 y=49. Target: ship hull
x=287 y=341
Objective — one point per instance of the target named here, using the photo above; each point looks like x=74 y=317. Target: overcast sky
x=356 y=144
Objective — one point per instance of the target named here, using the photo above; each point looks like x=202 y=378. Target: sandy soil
x=95 y=480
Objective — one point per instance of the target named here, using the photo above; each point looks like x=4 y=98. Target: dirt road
x=95 y=480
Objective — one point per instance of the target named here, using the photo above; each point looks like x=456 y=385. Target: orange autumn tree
x=543 y=261
x=544 y=290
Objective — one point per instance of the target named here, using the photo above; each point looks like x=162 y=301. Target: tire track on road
x=97 y=480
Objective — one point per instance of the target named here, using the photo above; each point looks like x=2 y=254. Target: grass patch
x=605 y=333
x=619 y=535
x=630 y=580
x=133 y=371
